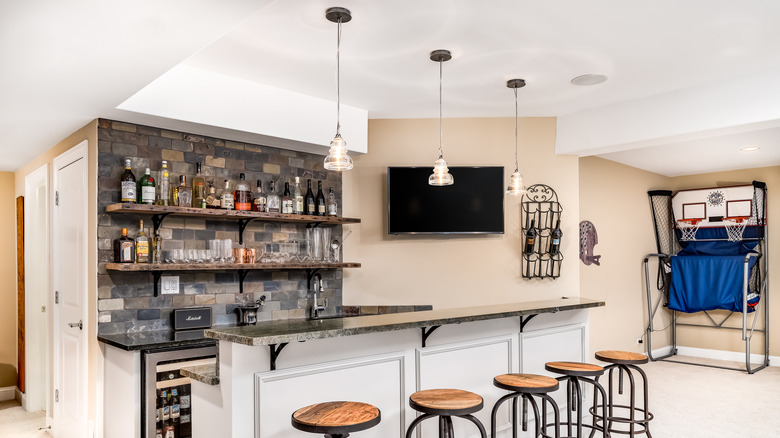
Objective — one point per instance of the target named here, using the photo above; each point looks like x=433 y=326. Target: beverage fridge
x=166 y=409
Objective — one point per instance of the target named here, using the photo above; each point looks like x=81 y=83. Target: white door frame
x=78 y=152
x=36 y=293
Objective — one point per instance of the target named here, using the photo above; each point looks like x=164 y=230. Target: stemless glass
x=227 y=248
x=325 y=245
x=316 y=242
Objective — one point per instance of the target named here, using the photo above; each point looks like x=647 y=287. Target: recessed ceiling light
x=750 y=148
x=589 y=79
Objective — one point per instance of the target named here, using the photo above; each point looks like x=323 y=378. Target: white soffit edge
x=202 y=97
x=680 y=115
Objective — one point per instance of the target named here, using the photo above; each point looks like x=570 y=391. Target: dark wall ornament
x=589 y=238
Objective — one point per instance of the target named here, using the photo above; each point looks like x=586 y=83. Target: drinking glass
x=203 y=256
x=227 y=248
x=325 y=245
x=316 y=242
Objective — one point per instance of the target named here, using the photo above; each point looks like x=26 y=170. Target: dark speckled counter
x=283 y=331
x=156 y=339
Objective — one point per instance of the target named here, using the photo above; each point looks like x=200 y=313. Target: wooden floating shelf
x=219 y=214
x=152 y=267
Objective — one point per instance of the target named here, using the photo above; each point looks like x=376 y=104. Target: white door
x=69 y=281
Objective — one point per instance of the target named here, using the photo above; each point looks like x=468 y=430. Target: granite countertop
x=281 y=331
x=208 y=374
x=156 y=339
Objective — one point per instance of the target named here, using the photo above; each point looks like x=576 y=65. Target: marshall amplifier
x=192 y=318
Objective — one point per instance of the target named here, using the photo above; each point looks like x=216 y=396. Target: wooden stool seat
x=446 y=402
x=579 y=369
x=621 y=357
x=336 y=418
x=527 y=383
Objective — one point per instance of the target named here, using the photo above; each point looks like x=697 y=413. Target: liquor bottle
x=287 y=200
x=147 y=189
x=158 y=414
x=555 y=239
x=212 y=200
x=298 y=197
x=175 y=410
x=156 y=255
x=164 y=186
x=128 y=184
x=243 y=194
x=332 y=206
x=124 y=249
x=309 y=201
x=183 y=193
x=530 y=239
x=141 y=245
x=198 y=187
x=273 y=202
x=185 y=419
x=227 y=200
x=321 y=205
x=259 y=201
x=166 y=408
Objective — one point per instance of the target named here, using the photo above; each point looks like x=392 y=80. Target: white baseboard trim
x=21 y=398
x=7 y=393
x=705 y=353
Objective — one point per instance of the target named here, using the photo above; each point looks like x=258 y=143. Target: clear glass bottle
x=163 y=186
x=212 y=200
x=156 y=256
x=243 y=194
x=146 y=190
x=141 y=245
x=298 y=197
x=124 y=249
x=332 y=206
x=127 y=180
x=183 y=193
x=259 y=199
x=309 y=201
x=321 y=205
x=273 y=201
x=227 y=200
x=287 y=200
x=198 y=187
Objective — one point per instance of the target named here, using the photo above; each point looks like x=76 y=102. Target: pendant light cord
x=338 y=79
x=517 y=167
x=441 y=144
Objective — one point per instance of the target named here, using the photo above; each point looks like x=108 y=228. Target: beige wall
x=731 y=339
x=7 y=281
x=452 y=271
x=89 y=133
x=614 y=198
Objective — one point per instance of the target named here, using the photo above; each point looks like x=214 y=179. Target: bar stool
x=445 y=403
x=525 y=386
x=625 y=362
x=574 y=373
x=336 y=419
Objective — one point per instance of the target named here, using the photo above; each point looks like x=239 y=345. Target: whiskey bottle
x=321 y=205
x=332 y=207
x=141 y=245
x=198 y=187
x=273 y=202
x=227 y=200
x=156 y=256
x=298 y=197
x=555 y=239
x=243 y=194
x=530 y=239
x=212 y=201
x=259 y=201
x=309 y=201
x=124 y=249
x=164 y=186
x=128 y=184
x=183 y=193
x=147 y=189
x=287 y=200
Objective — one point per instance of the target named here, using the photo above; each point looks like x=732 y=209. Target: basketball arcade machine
x=712 y=255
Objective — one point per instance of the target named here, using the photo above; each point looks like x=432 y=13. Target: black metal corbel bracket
x=426 y=332
x=242 y=223
x=157 y=275
x=525 y=320
x=275 y=350
x=157 y=220
x=241 y=276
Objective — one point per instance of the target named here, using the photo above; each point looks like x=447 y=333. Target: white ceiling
x=66 y=62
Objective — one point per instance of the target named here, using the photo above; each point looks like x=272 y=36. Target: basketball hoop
x=735 y=226
x=688 y=228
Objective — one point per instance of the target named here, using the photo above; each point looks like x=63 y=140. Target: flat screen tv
x=474 y=204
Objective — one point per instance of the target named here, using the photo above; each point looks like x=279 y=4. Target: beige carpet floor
x=687 y=401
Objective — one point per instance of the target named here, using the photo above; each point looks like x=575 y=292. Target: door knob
x=79 y=324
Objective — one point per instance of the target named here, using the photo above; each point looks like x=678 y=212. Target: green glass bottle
x=146 y=192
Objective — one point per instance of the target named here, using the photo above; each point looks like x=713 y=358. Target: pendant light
x=337 y=158
x=441 y=174
x=516 y=186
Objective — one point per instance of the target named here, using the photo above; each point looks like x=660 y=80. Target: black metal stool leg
x=537 y=426
x=645 y=408
x=474 y=420
x=415 y=422
x=494 y=413
x=556 y=415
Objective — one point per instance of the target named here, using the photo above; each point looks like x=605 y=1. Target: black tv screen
x=474 y=204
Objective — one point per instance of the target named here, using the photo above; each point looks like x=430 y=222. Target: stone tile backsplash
x=126 y=301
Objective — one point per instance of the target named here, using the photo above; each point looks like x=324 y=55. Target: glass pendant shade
x=441 y=174
x=516 y=186
x=337 y=158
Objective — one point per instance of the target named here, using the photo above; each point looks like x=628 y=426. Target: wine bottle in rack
x=530 y=238
x=555 y=239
